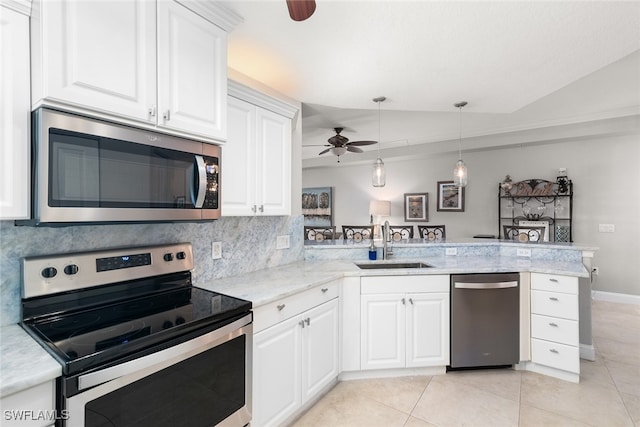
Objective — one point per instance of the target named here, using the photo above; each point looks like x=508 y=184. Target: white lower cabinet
x=295 y=358
x=554 y=322
x=404 y=321
x=33 y=407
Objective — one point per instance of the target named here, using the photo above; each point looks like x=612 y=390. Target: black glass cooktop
x=96 y=326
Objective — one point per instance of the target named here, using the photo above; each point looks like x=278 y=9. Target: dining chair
x=523 y=233
x=319 y=233
x=399 y=232
x=432 y=232
x=357 y=233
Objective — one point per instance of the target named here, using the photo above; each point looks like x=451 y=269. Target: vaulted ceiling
x=518 y=64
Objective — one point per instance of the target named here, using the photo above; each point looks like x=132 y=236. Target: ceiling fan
x=338 y=144
x=299 y=10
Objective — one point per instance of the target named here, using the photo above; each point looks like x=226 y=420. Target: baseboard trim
x=587 y=352
x=616 y=297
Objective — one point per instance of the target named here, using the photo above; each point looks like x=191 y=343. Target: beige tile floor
x=608 y=394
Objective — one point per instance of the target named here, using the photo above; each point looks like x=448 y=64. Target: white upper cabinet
x=155 y=63
x=256 y=161
x=14 y=114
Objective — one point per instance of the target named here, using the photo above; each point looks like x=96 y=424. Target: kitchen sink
x=386 y=265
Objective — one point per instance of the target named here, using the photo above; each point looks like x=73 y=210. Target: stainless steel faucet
x=386 y=250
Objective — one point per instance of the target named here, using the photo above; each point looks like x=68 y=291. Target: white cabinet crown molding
x=252 y=96
x=215 y=12
x=20 y=6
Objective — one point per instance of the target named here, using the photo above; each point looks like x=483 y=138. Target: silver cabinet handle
x=555 y=325
x=281 y=306
x=308 y=321
x=553 y=280
x=301 y=323
x=152 y=111
x=553 y=298
x=166 y=115
x=324 y=290
x=553 y=350
x=411 y=301
x=254 y=209
x=261 y=208
x=403 y=301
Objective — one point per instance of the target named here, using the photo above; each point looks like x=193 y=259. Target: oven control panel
x=45 y=275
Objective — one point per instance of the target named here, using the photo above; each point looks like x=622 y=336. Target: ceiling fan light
x=338 y=151
x=460 y=174
x=379 y=176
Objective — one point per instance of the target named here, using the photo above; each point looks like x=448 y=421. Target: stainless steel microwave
x=87 y=170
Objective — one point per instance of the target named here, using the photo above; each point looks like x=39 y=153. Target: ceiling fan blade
x=324 y=151
x=362 y=143
x=354 y=149
x=299 y=10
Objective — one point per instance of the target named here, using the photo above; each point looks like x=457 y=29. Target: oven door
x=205 y=381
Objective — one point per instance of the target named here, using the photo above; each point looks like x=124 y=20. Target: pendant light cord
x=459 y=105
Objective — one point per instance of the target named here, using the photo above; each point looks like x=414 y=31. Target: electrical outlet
x=524 y=252
x=595 y=271
x=216 y=250
x=283 y=242
x=606 y=228
x=451 y=251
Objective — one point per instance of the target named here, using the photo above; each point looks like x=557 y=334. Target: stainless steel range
x=138 y=344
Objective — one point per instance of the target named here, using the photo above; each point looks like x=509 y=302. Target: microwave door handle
x=201 y=171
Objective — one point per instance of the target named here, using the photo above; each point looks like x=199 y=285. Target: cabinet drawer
x=404 y=284
x=555 y=355
x=269 y=314
x=554 y=329
x=554 y=304
x=554 y=283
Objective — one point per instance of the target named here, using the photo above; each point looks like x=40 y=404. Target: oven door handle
x=181 y=351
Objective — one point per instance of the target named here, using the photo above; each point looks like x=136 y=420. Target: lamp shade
x=380 y=208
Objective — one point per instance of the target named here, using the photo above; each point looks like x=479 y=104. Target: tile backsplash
x=248 y=244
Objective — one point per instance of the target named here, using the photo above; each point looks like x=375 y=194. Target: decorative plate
x=319 y=237
x=357 y=237
x=431 y=236
x=523 y=237
x=397 y=236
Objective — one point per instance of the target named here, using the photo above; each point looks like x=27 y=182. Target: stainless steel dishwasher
x=485 y=315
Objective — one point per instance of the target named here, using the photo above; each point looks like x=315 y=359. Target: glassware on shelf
x=559 y=208
x=526 y=209
x=541 y=209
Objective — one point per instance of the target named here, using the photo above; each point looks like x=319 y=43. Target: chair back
x=357 y=233
x=399 y=232
x=432 y=232
x=319 y=233
x=523 y=233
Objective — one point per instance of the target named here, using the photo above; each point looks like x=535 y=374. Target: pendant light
x=379 y=177
x=460 y=171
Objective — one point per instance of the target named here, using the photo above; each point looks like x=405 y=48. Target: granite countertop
x=23 y=362
x=265 y=286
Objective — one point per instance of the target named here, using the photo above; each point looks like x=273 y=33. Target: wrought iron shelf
x=538 y=202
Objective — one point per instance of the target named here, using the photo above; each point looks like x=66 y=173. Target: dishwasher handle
x=492 y=285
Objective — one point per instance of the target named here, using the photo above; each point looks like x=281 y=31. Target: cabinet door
x=274 y=163
x=277 y=373
x=192 y=73
x=427 y=329
x=99 y=55
x=239 y=160
x=383 y=331
x=14 y=116
x=320 y=351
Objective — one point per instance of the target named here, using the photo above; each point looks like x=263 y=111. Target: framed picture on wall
x=450 y=197
x=317 y=206
x=416 y=207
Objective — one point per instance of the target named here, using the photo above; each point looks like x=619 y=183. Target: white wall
x=605 y=172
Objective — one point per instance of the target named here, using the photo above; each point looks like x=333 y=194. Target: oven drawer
x=269 y=314
x=554 y=304
x=555 y=355
x=555 y=329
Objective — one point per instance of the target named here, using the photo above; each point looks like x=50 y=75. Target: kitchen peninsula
x=318 y=301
